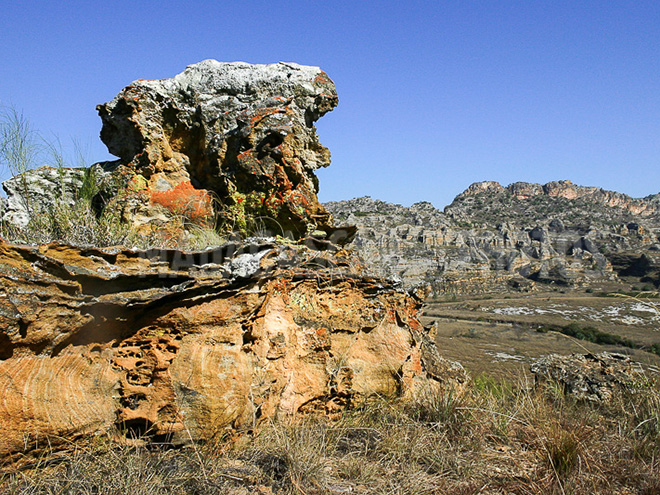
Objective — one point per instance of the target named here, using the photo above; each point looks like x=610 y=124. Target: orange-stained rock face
x=185 y=201
x=165 y=344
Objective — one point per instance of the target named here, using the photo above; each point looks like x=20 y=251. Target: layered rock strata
x=167 y=345
x=223 y=143
x=493 y=238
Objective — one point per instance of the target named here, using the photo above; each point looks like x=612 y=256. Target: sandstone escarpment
x=493 y=239
x=222 y=143
x=166 y=345
x=525 y=197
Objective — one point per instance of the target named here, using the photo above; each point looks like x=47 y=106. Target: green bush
x=592 y=334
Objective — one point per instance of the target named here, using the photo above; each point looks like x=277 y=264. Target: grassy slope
x=496 y=437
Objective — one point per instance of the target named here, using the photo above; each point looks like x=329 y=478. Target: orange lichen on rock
x=185 y=201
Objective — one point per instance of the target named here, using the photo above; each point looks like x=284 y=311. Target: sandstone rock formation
x=221 y=142
x=590 y=377
x=165 y=344
x=36 y=192
x=644 y=265
x=172 y=346
x=493 y=238
x=421 y=245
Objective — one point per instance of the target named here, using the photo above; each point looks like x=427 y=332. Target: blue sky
x=434 y=95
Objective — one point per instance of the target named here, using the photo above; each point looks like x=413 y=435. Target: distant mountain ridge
x=615 y=207
x=494 y=238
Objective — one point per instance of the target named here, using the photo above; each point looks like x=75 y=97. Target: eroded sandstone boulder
x=38 y=191
x=223 y=143
x=590 y=377
x=169 y=345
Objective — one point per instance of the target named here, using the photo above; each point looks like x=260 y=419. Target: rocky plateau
x=493 y=238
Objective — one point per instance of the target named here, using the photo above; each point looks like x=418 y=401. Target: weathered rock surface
x=165 y=344
x=37 y=191
x=493 y=238
x=229 y=140
x=489 y=202
x=590 y=377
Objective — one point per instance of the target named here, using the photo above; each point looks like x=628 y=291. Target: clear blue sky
x=434 y=95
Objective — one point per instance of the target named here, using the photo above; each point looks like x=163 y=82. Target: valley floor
x=502 y=334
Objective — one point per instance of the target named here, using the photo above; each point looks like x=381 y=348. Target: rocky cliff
x=494 y=238
x=490 y=203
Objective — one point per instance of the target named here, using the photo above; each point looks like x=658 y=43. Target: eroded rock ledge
x=164 y=343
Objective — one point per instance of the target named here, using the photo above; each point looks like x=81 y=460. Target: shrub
x=592 y=334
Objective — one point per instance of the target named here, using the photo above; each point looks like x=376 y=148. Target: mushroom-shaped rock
x=227 y=143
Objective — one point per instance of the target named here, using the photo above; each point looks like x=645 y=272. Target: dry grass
x=80 y=225
x=493 y=438
x=504 y=345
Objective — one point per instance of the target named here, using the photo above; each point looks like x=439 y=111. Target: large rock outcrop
x=173 y=346
x=165 y=344
x=224 y=143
